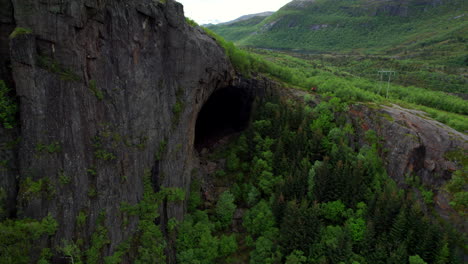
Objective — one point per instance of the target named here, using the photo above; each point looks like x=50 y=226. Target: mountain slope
x=394 y=27
x=239 y=28
x=247 y=17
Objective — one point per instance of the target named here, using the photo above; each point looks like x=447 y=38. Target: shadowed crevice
x=227 y=111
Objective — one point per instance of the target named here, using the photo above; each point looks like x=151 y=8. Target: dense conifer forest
x=309 y=195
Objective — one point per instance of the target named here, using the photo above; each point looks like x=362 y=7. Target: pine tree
x=443 y=255
x=225 y=208
x=300 y=227
x=400 y=255
x=399 y=228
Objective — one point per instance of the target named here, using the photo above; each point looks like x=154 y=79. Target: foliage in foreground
x=18 y=239
x=311 y=196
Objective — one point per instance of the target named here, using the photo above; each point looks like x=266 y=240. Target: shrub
x=8 y=107
x=225 y=208
x=96 y=91
x=20 y=31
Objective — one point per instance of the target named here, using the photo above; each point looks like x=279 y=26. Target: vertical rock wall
x=8 y=161
x=102 y=85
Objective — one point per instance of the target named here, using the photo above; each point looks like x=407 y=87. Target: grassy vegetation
x=100 y=152
x=353 y=26
x=333 y=43
x=63 y=178
x=20 y=31
x=51 y=148
x=238 y=30
x=443 y=107
x=304 y=73
x=410 y=72
x=178 y=108
x=30 y=189
x=96 y=91
x=55 y=67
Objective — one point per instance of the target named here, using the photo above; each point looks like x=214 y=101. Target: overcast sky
x=215 y=11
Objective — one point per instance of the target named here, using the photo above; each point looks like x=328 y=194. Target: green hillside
x=350 y=78
x=411 y=28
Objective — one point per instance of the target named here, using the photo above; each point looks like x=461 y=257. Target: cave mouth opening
x=226 y=112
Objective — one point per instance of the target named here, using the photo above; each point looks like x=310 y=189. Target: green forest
x=309 y=195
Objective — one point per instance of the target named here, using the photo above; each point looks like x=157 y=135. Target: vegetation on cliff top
x=339 y=46
x=305 y=73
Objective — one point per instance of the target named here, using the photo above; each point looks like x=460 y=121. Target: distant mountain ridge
x=369 y=26
x=246 y=17
x=242 y=18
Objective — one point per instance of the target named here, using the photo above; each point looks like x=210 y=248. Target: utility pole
x=386 y=73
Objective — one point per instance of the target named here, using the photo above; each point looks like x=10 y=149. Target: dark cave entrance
x=227 y=111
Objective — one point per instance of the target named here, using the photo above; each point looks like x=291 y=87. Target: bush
x=8 y=107
x=18 y=237
x=225 y=208
x=259 y=220
x=20 y=31
x=416 y=260
x=333 y=211
x=227 y=245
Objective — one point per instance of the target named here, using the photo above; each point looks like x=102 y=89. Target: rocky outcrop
x=416 y=148
x=413 y=146
x=413 y=143
x=101 y=86
x=8 y=137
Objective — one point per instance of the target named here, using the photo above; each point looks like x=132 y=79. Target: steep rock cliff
x=8 y=161
x=108 y=91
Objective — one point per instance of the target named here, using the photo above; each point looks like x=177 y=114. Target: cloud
x=210 y=11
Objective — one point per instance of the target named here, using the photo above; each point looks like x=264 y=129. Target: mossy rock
x=20 y=31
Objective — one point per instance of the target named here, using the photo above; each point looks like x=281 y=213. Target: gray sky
x=215 y=11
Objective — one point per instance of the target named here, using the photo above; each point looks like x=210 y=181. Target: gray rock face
x=101 y=85
x=413 y=143
x=416 y=146
x=8 y=161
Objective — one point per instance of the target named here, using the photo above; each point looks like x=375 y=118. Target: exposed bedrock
x=101 y=86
